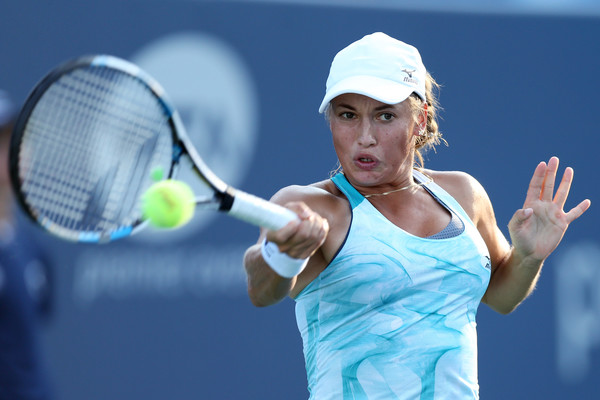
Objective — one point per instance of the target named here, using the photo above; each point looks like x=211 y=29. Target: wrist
x=284 y=265
x=525 y=261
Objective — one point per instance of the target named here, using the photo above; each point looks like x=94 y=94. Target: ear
x=421 y=122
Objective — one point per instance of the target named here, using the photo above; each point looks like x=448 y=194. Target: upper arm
x=475 y=201
x=486 y=223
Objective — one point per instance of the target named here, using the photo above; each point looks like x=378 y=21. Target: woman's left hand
x=538 y=227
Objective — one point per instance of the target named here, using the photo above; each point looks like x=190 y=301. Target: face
x=374 y=141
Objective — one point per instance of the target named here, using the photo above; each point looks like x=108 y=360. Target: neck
x=411 y=186
x=402 y=180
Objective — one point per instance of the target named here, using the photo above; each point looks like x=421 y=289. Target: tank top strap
x=353 y=196
x=419 y=176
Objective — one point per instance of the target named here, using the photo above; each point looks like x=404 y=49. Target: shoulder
x=323 y=197
x=294 y=192
x=330 y=203
x=467 y=190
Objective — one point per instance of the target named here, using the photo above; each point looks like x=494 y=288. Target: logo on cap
x=409 y=78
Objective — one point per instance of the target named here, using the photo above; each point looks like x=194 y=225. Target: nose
x=366 y=134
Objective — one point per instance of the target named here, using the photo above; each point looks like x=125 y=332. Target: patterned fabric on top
x=393 y=315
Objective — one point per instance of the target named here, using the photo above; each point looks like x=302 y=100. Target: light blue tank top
x=393 y=315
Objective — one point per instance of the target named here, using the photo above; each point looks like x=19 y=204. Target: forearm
x=265 y=286
x=512 y=281
x=535 y=231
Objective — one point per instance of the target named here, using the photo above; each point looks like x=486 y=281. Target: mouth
x=364 y=161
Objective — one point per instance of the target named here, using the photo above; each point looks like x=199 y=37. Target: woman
x=388 y=261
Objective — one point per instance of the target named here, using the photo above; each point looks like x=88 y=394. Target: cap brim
x=383 y=90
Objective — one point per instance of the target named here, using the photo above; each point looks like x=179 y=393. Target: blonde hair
x=431 y=136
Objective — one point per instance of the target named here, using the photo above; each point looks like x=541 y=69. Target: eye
x=386 y=116
x=347 y=115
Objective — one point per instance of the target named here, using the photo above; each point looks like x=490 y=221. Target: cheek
x=397 y=146
x=403 y=133
x=341 y=139
x=341 y=147
x=396 y=139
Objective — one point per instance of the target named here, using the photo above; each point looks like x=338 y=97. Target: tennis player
x=389 y=261
x=25 y=288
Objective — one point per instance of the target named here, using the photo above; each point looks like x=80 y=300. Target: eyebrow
x=378 y=108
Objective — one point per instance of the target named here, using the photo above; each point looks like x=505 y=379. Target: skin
x=375 y=144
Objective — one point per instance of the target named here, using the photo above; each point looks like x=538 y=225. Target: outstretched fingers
x=541 y=186
x=536 y=184
x=578 y=211
x=563 y=189
x=549 y=180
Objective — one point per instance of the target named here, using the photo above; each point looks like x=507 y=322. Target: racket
x=85 y=145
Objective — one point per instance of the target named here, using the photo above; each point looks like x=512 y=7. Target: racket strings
x=88 y=149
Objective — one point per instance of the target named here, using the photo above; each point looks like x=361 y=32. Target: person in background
x=389 y=261
x=25 y=295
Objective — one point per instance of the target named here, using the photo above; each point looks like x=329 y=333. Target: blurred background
x=166 y=315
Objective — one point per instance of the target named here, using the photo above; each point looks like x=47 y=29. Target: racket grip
x=260 y=212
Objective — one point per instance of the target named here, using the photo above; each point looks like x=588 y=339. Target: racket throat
x=226 y=199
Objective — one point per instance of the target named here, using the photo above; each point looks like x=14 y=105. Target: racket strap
x=284 y=265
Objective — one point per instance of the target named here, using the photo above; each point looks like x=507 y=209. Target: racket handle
x=260 y=212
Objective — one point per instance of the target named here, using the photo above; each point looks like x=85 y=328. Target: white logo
x=214 y=92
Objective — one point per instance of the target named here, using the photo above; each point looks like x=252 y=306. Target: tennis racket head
x=85 y=144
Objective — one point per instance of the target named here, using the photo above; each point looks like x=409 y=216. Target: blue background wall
x=167 y=316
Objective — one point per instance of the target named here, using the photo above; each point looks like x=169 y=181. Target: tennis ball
x=168 y=204
x=156 y=174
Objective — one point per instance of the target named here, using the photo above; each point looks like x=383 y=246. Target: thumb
x=522 y=215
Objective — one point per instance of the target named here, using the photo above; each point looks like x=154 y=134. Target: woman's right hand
x=302 y=237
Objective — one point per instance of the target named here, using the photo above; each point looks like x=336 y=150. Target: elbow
x=505 y=310
x=265 y=287
x=260 y=299
x=501 y=307
x=265 y=292
x=259 y=303
x=256 y=298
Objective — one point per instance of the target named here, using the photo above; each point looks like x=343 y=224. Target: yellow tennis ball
x=168 y=204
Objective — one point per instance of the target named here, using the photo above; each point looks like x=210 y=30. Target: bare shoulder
x=467 y=190
x=323 y=197
x=330 y=203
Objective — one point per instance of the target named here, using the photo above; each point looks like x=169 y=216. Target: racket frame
x=227 y=199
